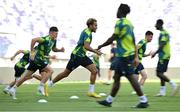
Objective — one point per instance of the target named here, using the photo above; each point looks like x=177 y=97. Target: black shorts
x=76 y=61
x=124 y=65
x=18 y=71
x=162 y=65
x=139 y=68
x=33 y=66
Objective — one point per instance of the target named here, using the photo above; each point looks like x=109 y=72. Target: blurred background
x=22 y=20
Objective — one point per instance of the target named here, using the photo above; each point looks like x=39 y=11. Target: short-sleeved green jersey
x=164 y=37
x=96 y=60
x=86 y=36
x=43 y=49
x=125 y=39
x=24 y=60
x=141 y=48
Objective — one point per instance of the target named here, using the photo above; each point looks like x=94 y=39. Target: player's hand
x=12 y=58
x=62 y=49
x=153 y=54
x=99 y=47
x=149 y=54
x=99 y=53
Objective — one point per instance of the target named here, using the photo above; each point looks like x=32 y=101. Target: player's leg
x=47 y=72
x=25 y=77
x=143 y=77
x=129 y=67
x=161 y=68
x=116 y=84
x=6 y=89
x=115 y=88
x=93 y=70
x=38 y=77
x=136 y=77
x=72 y=64
x=61 y=75
x=88 y=64
x=18 y=72
x=136 y=86
x=143 y=74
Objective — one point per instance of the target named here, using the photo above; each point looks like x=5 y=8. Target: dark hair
x=90 y=21
x=160 y=22
x=53 y=28
x=123 y=10
x=149 y=33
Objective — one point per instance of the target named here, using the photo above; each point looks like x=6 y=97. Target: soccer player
x=40 y=59
x=112 y=63
x=126 y=57
x=19 y=69
x=79 y=57
x=141 y=53
x=164 y=57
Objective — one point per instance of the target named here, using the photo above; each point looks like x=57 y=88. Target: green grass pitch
x=58 y=99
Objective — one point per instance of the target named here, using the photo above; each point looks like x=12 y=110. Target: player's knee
x=94 y=71
x=158 y=74
x=26 y=77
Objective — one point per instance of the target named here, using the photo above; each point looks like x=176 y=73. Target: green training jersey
x=141 y=48
x=164 y=37
x=24 y=60
x=86 y=36
x=43 y=49
x=125 y=38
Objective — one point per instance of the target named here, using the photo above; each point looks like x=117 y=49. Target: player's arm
x=112 y=38
x=146 y=55
x=58 y=50
x=51 y=57
x=33 y=42
x=55 y=49
x=108 y=41
x=89 y=48
x=17 y=53
x=160 y=47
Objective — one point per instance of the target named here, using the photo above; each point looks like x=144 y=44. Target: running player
x=78 y=57
x=40 y=59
